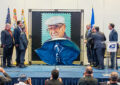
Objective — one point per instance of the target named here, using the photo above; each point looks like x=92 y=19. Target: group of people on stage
x=10 y=39
x=95 y=43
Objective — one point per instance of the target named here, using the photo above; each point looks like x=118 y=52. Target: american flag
x=8 y=19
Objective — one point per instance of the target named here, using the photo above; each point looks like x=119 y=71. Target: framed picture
x=39 y=30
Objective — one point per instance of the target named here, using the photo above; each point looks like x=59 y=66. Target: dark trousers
x=100 y=56
x=113 y=56
x=89 y=54
x=95 y=59
x=7 y=55
x=20 y=56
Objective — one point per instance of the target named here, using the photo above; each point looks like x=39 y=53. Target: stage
x=69 y=74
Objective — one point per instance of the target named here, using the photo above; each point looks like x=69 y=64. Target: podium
x=111 y=47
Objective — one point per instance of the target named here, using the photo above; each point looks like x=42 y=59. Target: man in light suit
x=99 y=46
x=113 y=37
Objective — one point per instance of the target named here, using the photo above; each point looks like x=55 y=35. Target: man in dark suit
x=93 y=51
x=113 y=37
x=23 y=46
x=88 y=78
x=7 y=44
x=5 y=78
x=88 y=43
x=17 y=32
x=99 y=46
x=54 y=80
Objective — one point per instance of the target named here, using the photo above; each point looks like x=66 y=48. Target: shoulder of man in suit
x=94 y=33
x=3 y=31
x=17 y=27
x=114 y=31
x=101 y=33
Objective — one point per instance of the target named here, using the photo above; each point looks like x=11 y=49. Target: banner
x=14 y=21
x=8 y=19
x=24 y=22
x=92 y=18
x=112 y=47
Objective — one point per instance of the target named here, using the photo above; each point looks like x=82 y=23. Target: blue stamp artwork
x=46 y=16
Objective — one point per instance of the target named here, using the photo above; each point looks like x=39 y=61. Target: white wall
x=106 y=11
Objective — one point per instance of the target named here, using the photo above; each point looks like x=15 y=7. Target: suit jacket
x=88 y=35
x=113 y=36
x=6 y=39
x=53 y=82
x=88 y=80
x=23 y=41
x=88 y=38
x=17 y=32
x=4 y=79
x=99 y=39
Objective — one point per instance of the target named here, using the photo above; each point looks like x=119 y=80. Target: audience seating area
x=69 y=74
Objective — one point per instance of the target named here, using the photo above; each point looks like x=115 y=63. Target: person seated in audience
x=88 y=78
x=23 y=80
x=113 y=79
x=54 y=80
x=5 y=78
x=119 y=80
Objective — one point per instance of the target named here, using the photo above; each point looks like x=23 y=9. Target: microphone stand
x=58 y=50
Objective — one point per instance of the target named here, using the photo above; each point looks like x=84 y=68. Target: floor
x=74 y=71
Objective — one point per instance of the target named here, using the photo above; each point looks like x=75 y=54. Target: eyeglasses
x=54 y=26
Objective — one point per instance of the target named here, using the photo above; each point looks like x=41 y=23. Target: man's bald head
x=7 y=25
x=89 y=70
x=88 y=26
x=114 y=76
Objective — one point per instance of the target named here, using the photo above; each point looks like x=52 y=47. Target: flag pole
x=92 y=3
x=92 y=16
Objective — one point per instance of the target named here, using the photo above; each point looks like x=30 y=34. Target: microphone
x=56 y=47
x=57 y=50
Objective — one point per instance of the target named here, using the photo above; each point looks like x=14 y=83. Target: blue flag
x=8 y=19
x=92 y=18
